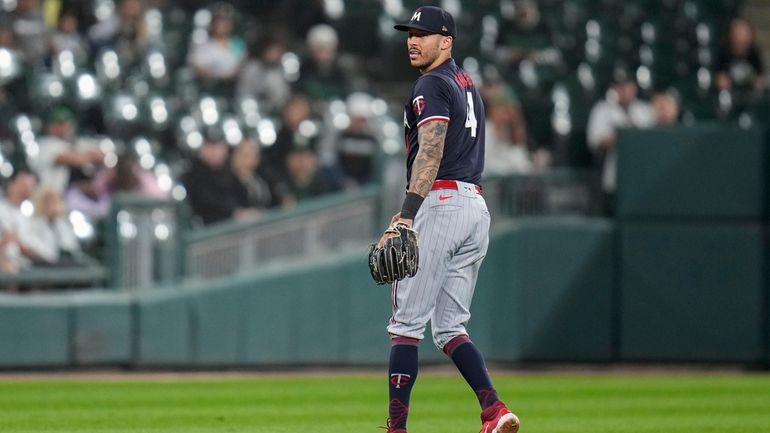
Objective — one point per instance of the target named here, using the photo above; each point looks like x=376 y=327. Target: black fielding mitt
x=397 y=258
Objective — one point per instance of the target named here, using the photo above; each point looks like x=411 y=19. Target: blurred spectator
x=506 y=132
x=7 y=263
x=59 y=151
x=300 y=15
x=67 y=38
x=523 y=34
x=323 y=74
x=305 y=177
x=7 y=39
x=740 y=65
x=356 y=146
x=619 y=109
x=29 y=31
x=296 y=111
x=85 y=196
x=262 y=76
x=129 y=177
x=212 y=188
x=21 y=245
x=125 y=32
x=252 y=190
x=665 y=105
x=219 y=59
x=54 y=230
x=13 y=91
x=82 y=9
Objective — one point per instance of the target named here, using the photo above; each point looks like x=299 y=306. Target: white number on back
x=470 y=118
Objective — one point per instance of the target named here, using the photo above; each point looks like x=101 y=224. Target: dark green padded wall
x=692 y=292
x=554 y=291
x=34 y=331
x=325 y=312
x=320 y=311
x=292 y=315
x=268 y=311
x=688 y=292
x=701 y=171
x=216 y=320
x=163 y=332
x=101 y=328
x=369 y=311
x=492 y=288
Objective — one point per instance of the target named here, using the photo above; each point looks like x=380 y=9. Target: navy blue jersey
x=447 y=93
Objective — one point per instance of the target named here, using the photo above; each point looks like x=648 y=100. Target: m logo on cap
x=437 y=21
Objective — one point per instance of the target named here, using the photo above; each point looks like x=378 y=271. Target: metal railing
x=313 y=228
x=148 y=245
x=143 y=242
x=89 y=275
x=558 y=192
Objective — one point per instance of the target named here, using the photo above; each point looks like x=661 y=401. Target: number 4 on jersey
x=470 y=118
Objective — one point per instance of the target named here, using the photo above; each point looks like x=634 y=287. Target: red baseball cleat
x=498 y=419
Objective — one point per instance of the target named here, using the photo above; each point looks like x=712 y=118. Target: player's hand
x=390 y=232
x=405 y=221
x=398 y=257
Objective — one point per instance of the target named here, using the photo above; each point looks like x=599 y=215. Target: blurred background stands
x=128 y=71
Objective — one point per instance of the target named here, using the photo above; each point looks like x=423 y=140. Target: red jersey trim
x=431 y=119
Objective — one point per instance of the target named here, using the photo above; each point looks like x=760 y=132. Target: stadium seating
x=158 y=99
x=673 y=42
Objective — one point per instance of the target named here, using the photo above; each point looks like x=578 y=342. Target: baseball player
x=444 y=121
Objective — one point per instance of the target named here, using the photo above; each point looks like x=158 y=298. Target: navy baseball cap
x=431 y=19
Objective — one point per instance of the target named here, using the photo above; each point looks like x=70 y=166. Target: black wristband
x=411 y=205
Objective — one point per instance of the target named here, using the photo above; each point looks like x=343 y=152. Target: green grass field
x=667 y=403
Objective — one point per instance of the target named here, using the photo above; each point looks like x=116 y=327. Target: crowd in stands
x=243 y=106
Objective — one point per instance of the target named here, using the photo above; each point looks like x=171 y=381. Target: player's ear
x=446 y=42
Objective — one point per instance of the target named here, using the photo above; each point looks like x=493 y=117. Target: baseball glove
x=397 y=258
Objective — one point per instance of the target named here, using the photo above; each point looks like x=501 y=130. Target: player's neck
x=439 y=61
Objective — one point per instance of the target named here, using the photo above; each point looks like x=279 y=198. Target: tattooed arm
x=431 y=137
x=425 y=167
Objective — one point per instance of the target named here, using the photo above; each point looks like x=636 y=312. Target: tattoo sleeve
x=431 y=138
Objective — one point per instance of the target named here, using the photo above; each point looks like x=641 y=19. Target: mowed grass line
x=440 y=404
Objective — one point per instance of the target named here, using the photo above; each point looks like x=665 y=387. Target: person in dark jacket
x=252 y=190
x=212 y=188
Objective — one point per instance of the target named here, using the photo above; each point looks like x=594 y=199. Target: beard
x=424 y=59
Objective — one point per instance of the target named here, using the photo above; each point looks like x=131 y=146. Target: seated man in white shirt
x=21 y=246
x=619 y=109
x=54 y=230
x=59 y=152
